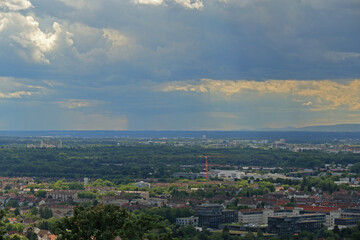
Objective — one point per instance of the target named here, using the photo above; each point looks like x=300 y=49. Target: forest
x=124 y=163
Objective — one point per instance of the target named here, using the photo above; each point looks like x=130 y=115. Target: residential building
x=63 y=195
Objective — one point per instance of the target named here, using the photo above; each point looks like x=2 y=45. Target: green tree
x=61 y=185
x=31 y=235
x=40 y=193
x=17 y=212
x=94 y=222
x=34 y=211
x=291 y=203
x=87 y=194
x=44 y=225
x=186 y=231
x=259 y=234
x=76 y=186
x=12 y=203
x=250 y=236
x=45 y=213
x=226 y=233
x=101 y=183
x=16 y=237
x=2 y=224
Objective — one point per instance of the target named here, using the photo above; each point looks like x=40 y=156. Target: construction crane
x=206 y=162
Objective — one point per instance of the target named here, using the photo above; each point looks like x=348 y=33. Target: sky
x=178 y=64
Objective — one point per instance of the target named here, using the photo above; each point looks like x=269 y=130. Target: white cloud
x=341 y=56
x=189 y=4
x=31 y=43
x=148 y=2
x=322 y=95
x=117 y=39
x=3 y=23
x=34 y=40
x=77 y=103
x=309 y=103
x=92 y=46
x=16 y=88
x=15 y=5
x=18 y=94
x=119 y=45
x=76 y=41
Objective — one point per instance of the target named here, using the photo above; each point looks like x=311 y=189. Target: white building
x=142 y=184
x=251 y=216
x=229 y=174
x=86 y=181
x=260 y=216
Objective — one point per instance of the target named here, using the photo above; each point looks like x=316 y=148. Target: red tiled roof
x=251 y=210
x=52 y=237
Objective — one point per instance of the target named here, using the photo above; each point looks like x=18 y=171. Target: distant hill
x=321 y=128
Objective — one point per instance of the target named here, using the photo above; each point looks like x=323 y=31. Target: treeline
x=127 y=162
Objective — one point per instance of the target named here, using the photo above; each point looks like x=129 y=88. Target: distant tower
x=86 y=181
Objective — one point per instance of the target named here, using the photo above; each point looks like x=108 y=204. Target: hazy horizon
x=326 y=128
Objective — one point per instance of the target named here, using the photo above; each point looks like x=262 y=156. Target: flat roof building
x=295 y=224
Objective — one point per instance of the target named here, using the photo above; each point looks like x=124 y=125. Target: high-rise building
x=210 y=215
x=86 y=181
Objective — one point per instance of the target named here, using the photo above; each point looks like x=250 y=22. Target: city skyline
x=178 y=64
